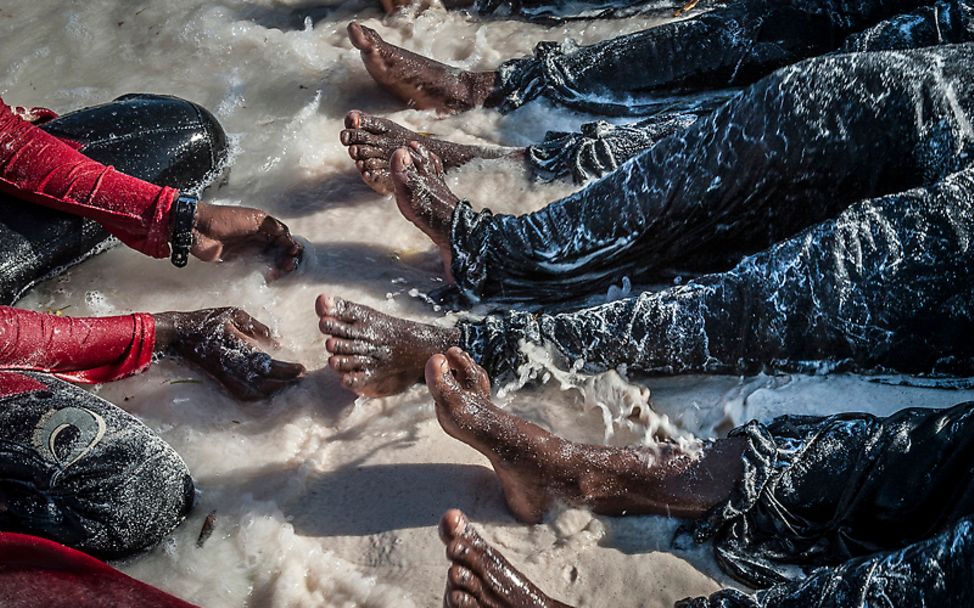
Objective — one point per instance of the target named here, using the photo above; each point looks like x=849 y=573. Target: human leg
x=885 y=285
x=80 y=471
x=187 y=152
x=792 y=150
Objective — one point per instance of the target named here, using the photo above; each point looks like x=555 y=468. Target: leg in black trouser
x=163 y=140
x=726 y=47
x=874 y=511
x=792 y=150
x=79 y=470
x=887 y=285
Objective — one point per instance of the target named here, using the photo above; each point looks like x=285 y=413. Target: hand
x=226 y=343
x=223 y=232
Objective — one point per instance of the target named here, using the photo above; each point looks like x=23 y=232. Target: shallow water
x=322 y=500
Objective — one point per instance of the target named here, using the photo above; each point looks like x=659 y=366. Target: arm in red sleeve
x=85 y=349
x=40 y=168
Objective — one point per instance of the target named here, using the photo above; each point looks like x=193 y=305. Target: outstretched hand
x=223 y=232
x=227 y=343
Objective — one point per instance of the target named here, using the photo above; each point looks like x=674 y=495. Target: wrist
x=167 y=333
x=183 y=220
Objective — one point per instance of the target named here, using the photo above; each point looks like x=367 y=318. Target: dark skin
x=223 y=233
x=479 y=576
x=421 y=82
x=228 y=344
x=376 y=354
x=372 y=140
x=391 y=6
x=536 y=468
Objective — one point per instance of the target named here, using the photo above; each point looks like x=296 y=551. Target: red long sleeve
x=38 y=167
x=38 y=573
x=91 y=350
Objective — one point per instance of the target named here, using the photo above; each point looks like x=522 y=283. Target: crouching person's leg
x=80 y=471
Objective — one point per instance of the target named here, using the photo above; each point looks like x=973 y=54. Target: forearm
x=83 y=349
x=37 y=167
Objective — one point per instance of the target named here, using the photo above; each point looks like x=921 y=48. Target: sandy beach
x=322 y=499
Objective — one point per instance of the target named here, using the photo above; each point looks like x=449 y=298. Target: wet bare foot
x=372 y=140
x=479 y=576
x=377 y=355
x=423 y=196
x=523 y=455
x=417 y=80
x=536 y=467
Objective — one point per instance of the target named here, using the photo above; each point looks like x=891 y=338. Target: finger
x=437 y=164
x=251 y=326
x=206 y=249
x=285 y=371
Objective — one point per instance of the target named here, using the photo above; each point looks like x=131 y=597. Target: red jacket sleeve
x=91 y=350
x=38 y=167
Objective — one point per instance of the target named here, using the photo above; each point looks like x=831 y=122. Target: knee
x=196 y=142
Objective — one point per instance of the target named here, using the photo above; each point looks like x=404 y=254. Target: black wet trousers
x=547 y=11
x=850 y=511
x=886 y=284
x=163 y=140
x=79 y=470
x=589 y=78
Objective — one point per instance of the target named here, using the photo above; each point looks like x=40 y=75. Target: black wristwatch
x=183 y=220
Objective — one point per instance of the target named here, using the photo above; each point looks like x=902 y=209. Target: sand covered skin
x=322 y=500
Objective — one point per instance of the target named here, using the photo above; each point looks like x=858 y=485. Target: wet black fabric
x=163 y=140
x=851 y=510
x=792 y=150
x=548 y=11
x=599 y=148
x=727 y=47
x=79 y=470
x=886 y=286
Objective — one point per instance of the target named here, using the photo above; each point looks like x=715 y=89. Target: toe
x=470 y=375
x=439 y=380
x=375 y=124
x=360 y=37
x=463 y=579
x=337 y=328
x=340 y=346
x=461 y=599
x=353 y=120
x=324 y=304
x=452 y=525
x=350 y=363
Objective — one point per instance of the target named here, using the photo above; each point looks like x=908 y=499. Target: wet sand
x=322 y=499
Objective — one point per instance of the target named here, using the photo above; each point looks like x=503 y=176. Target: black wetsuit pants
x=79 y=470
x=718 y=51
x=850 y=511
x=880 y=143
x=163 y=140
x=73 y=467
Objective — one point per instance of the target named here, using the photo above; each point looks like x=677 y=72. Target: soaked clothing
x=850 y=510
x=563 y=10
x=81 y=471
x=598 y=148
x=58 y=165
x=727 y=47
x=38 y=573
x=73 y=467
x=790 y=151
x=886 y=286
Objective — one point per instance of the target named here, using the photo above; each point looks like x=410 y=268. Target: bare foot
x=377 y=355
x=536 y=467
x=372 y=140
x=417 y=80
x=423 y=196
x=479 y=576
